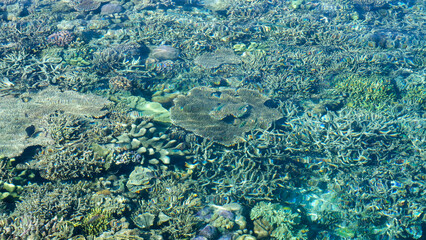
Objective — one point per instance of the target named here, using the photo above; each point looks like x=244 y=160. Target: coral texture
x=22 y=120
x=223 y=115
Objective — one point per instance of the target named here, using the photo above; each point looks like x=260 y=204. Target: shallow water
x=224 y=119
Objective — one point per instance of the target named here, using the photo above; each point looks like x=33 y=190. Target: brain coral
x=223 y=115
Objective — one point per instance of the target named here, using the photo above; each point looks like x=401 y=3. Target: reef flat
x=212 y=119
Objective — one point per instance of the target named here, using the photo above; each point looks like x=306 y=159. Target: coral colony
x=212 y=120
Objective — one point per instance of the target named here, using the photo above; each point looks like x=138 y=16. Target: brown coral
x=223 y=115
x=61 y=38
x=120 y=83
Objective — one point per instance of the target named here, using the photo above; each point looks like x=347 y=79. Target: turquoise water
x=214 y=119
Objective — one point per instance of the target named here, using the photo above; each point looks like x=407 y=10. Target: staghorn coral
x=173 y=202
x=79 y=147
x=76 y=160
x=373 y=92
x=45 y=201
x=240 y=173
x=56 y=210
x=29 y=70
x=124 y=234
x=96 y=221
x=29 y=226
x=223 y=115
x=22 y=120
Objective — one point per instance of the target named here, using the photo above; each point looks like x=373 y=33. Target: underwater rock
x=219 y=57
x=22 y=121
x=223 y=115
x=140 y=179
x=216 y=5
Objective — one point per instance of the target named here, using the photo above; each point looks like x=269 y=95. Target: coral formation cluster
x=277 y=221
x=154 y=146
x=291 y=120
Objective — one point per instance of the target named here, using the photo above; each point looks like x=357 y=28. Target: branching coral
x=372 y=92
x=173 y=203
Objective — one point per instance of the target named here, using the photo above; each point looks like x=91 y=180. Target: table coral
x=223 y=115
x=23 y=121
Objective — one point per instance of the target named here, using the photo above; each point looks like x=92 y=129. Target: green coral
x=286 y=223
x=373 y=92
x=79 y=56
x=96 y=222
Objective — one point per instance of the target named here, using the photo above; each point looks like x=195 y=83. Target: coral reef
x=139 y=179
x=346 y=158
x=146 y=109
x=9 y=192
x=23 y=123
x=120 y=83
x=219 y=57
x=153 y=145
x=223 y=115
x=373 y=92
x=171 y=204
x=165 y=52
x=61 y=38
x=277 y=221
x=111 y=8
x=96 y=222
x=30 y=227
